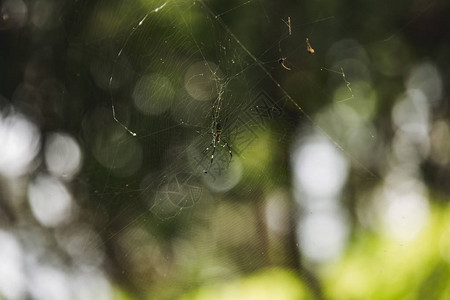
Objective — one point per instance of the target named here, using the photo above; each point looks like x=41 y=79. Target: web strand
x=347 y=83
x=285 y=93
x=119 y=54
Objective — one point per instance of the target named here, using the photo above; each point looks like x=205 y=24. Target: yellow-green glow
x=380 y=267
x=257 y=157
x=270 y=284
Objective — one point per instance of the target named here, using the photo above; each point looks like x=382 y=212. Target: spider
x=217 y=139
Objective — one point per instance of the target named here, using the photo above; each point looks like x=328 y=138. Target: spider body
x=216 y=140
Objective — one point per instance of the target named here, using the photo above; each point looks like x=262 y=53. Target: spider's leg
x=212 y=158
x=212 y=155
x=225 y=143
x=207 y=148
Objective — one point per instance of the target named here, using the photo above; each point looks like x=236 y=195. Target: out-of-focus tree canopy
x=224 y=150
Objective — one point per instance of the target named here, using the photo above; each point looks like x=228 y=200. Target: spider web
x=138 y=90
x=209 y=70
x=185 y=53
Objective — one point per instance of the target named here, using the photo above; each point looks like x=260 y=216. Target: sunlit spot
x=20 y=141
x=320 y=170
x=403 y=208
x=62 y=155
x=426 y=77
x=200 y=80
x=323 y=234
x=12 y=276
x=48 y=283
x=50 y=201
x=153 y=94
